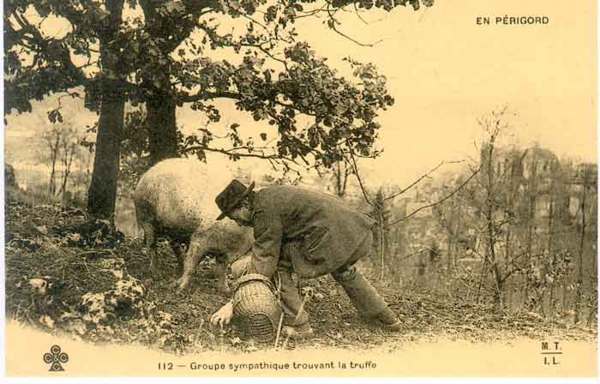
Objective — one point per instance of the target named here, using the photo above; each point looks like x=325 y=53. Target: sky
x=445 y=71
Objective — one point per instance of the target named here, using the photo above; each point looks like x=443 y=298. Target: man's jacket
x=324 y=229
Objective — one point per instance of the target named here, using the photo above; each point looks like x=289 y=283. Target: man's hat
x=232 y=196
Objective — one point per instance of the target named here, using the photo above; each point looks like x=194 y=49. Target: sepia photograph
x=300 y=188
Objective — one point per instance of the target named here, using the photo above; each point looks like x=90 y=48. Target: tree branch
x=437 y=202
x=312 y=12
x=332 y=24
x=187 y=98
x=232 y=152
x=357 y=174
x=356 y=10
x=421 y=178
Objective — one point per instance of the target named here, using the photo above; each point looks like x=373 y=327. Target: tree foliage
x=166 y=53
x=172 y=47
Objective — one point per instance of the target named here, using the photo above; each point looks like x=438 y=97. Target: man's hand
x=223 y=316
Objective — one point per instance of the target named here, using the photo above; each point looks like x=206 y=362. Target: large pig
x=176 y=199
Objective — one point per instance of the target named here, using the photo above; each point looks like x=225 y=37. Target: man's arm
x=268 y=233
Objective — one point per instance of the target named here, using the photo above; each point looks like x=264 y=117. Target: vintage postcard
x=300 y=188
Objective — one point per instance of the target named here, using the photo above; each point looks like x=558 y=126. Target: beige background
x=439 y=358
x=444 y=71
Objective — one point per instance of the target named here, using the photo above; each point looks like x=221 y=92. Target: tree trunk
x=338 y=179
x=67 y=162
x=509 y=261
x=102 y=193
x=382 y=244
x=579 y=285
x=450 y=245
x=594 y=305
x=565 y=291
x=491 y=232
x=161 y=125
x=499 y=289
x=53 y=158
x=341 y=173
x=551 y=304
x=482 y=276
x=160 y=102
x=532 y=191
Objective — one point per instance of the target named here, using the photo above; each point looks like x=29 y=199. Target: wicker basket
x=256 y=307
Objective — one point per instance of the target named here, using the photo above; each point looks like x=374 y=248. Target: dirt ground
x=66 y=274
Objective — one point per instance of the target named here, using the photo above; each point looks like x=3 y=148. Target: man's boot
x=303 y=331
x=386 y=319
